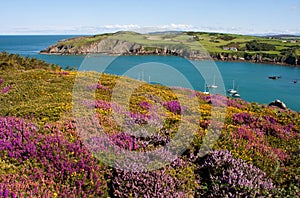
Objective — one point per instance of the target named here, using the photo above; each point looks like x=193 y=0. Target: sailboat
x=205 y=89
x=214 y=86
x=141 y=76
x=232 y=91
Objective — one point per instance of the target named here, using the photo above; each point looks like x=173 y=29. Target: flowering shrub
x=175 y=180
x=100 y=104
x=243 y=118
x=216 y=100
x=124 y=141
x=173 y=106
x=237 y=103
x=64 y=167
x=49 y=158
x=226 y=176
x=146 y=105
x=96 y=86
x=5 y=89
x=43 y=94
x=266 y=124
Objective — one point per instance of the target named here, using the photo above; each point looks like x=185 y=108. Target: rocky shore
x=120 y=47
x=256 y=58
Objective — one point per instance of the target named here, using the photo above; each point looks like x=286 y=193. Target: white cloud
x=142 y=29
x=294 y=8
x=176 y=26
x=168 y=27
x=95 y=29
x=117 y=26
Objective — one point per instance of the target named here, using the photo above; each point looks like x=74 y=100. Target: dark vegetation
x=259 y=46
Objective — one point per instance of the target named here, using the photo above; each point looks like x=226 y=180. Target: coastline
x=189 y=45
x=261 y=62
x=189 y=58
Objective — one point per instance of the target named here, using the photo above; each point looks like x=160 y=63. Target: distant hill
x=276 y=49
x=167 y=32
x=283 y=36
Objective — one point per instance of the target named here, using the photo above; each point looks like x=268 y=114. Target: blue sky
x=96 y=16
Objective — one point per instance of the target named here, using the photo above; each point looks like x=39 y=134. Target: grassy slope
x=44 y=96
x=83 y=40
x=212 y=42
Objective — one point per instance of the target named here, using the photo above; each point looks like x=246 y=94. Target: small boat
x=232 y=91
x=236 y=95
x=274 y=77
x=295 y=81
x=214 y=86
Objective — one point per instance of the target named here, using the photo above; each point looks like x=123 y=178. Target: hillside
x=192 y=45
x=44 y=153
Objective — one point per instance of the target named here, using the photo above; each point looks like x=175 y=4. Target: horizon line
x=158 y=31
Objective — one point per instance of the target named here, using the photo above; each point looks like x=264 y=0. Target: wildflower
x=5 y=89
x=96 y=86
x=173 y=106
x=145 y=105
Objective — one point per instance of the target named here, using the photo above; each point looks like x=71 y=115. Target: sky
x=97 y=16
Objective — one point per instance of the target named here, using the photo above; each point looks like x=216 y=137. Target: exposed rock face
x=120 y=47
x=109 y=46
x=279 y=104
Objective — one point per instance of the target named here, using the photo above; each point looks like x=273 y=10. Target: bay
x=250 y=79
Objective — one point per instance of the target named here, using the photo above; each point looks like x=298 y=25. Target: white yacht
x=232 y=91
x=236 y=95
x=214 y=86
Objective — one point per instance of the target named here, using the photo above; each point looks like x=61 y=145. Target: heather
x=44 y=151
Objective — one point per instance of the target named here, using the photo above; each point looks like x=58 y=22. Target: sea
x=251 y=80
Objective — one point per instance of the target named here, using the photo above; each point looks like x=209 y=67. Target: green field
x=212 y=42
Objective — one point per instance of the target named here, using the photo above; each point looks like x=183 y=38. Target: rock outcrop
x=279 y=104
x=105 y=46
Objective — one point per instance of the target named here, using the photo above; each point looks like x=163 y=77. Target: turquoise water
x=251 y=80
x=32 y=45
